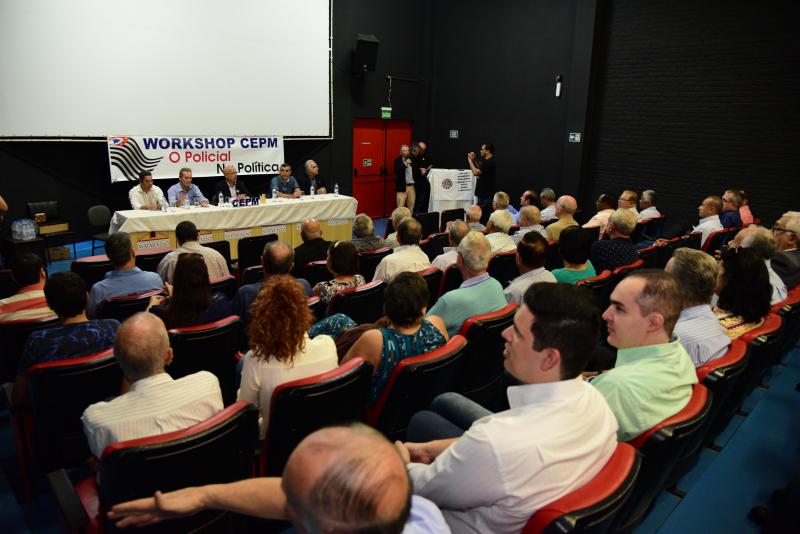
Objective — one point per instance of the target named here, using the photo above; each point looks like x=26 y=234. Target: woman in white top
x=280 y=349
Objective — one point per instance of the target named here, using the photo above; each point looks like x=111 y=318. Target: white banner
x=451 y=184
x=205 y=155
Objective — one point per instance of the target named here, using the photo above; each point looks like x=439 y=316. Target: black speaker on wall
x=366 y=54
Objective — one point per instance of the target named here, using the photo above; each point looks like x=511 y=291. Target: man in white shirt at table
x=146 y=196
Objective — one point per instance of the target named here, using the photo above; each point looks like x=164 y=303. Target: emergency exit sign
x=386 y=113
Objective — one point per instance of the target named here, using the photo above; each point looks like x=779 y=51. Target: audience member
x=744 y=210
x=408 y=333
x=529 y=198
x=338 y=479
x=605 y=207
x=185 y=193
x=277 y=258
x=574 y=246
x=407 y=256
x=280 y=349
x=648 y=205
x=627 y=201
x=743 y=291
x=566 y=206
x=155 y=403
x=125 y=279
x=529 y=218
x=313 y=247
x=474 y=214
x=285 y=185
x=531 y=255
x=762 y=242
x=456 y=230
x=189 y=301
x=397 y=215
x=618 y=249
x=230 y=188
x=502 y=201
x=479 y=293
x=187 y=236
x=697 y=328
x=28 y=303
x=343 y=266
x=364 y=230
x=653 y=376
x=76 y=336
x=731 y=202
x=547 y=198
x=786 y=261
x=497 y=231
x=708 y=212
x=146 y=196
x=404 y=179
x=491 y=472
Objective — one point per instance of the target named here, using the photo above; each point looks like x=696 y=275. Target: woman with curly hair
x=343 y=265
x=744 y=291
x=280 y=349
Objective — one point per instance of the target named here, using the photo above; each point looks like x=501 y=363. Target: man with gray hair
x=155 y=403
x=230 y=188
x=407 y=257
x=364 y=230
x=648 y=205
x=455 y=233
x=404 y=179
x=762 y=242
x=618 y=250
x=479 y=293
x=497 y=228
x=566 y=206
x=397 y=215
x=312 y=178
x=548 y=200
x=731 y=202
x=474 y=214
x=529 y=218
x=698 y=329
x=502 y=201
x=786 y=261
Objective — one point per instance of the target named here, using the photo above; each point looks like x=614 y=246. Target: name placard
x=338 y=222
x=152 y=243
x=274 y=229
x=238 y=234
x=207 y=237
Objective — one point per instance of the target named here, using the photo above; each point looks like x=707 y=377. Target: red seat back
x=434 y=245
x=122 y=307
x=368 y=261
x=92 y=268
x=250 y=250
x=720 y=376
x=225 y=285
x=717 y=239
x=363 y=304
x=429 y=222
x=317 y=271
x=452 y=279
x=148 y=259
x=503 y=267
x=14 y=334
x=601 y=287
x=450 y=215
x=433 y=277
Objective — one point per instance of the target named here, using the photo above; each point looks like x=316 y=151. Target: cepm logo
x=127 y=156
x=447 y=183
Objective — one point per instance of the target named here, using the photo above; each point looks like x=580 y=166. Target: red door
x=373 y=156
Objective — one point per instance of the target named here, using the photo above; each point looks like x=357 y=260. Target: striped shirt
x=701 y=334
x=154 y=405
x=516 y=289
x=27 y=304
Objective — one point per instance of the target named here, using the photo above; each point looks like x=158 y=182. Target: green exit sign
x=386 y=113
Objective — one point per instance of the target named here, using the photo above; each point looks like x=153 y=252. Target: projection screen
x=92 y=68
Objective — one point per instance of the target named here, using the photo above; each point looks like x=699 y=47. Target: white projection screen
x=92 y=68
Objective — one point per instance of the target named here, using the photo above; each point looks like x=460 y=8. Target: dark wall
x=693 y=98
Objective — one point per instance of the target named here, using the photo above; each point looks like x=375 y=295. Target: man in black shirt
x=312 y=177
x=230 y=187
x=423 y=164
x=314 y=248
x=486 y=173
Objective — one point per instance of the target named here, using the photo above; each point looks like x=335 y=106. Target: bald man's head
x=344 y=479
x=310 y=230
x=141 y=346
x=566 y=206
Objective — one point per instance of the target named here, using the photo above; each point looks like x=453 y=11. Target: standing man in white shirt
x=708 y=211
x=146 y=196
x=407 y=257
x=156 y=403
x=648 y=205
x=404 y=179
x=491 y=472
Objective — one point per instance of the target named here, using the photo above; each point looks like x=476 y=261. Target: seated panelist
x=185 y=193
x=146 y=196
x=230 y=187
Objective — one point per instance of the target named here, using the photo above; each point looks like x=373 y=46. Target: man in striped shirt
x=28 y=303
x=155 y=403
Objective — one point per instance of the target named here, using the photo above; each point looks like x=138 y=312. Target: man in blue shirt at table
x=285 y=184
x=185 y=192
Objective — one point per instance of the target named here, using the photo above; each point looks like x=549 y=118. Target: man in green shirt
x=652 y=379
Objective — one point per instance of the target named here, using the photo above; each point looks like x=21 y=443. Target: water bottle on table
x=336 y=188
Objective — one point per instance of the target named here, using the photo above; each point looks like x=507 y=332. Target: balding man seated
x=313 y=248
x=531 y=255
x=501 y=201
x=500 y=222
x=156 y=403
x=529 y=218
x=566 y=206
x=230 y=188
x=618 y=249
x=338 y=479
x=762 y=242
x=455 y=233
x=653 y=376
x=786 y=261
x=364 y=231
x=479 y=293
x=708 y=211
x=398 y=214
x=474 y=214
x=407 y=257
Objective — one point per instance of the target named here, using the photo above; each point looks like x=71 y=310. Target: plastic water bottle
x=221 y=201
x=274 y=193
x=336 y=188
x=311 y=189
x=164 y=205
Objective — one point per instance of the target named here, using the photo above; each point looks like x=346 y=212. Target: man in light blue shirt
x=125 y=279
x=185 y=192
x=698 y=329
x=285 y=185
x=480 y=293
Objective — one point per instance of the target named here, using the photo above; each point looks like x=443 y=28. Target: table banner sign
x=275 y=229
x=148 y=244
x=451 y=184
x=238 y=234
x=205 y=155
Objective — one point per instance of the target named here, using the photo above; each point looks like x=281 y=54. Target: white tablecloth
x=279 y=211
x=450 y=189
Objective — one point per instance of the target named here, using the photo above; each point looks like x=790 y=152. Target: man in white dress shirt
x=531 y=255
x=605 y=207
x=474 y=214
x=455 y=233
x=708 y=211
x=529 y=217
x=762 y=242
x=497 y=228
x=187 y=236
x=648 y=205
x=156 y=403
x=548 y=201
x=407 y=256
x=146 y=196
x=491 y=472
